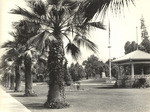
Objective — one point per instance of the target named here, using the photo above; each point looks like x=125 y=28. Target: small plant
x=78 y=85
x=56 y=105
x=142 y=82
x=124 y=78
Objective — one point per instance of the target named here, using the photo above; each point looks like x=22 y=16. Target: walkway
x=9 y=104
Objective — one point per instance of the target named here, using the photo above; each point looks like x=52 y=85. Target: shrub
x=142 y=82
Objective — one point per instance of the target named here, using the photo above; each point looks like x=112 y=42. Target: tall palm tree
x=12 y=53
x=18 y=52
x=26 y=30
x=7 y=66
x=3 y=66
x=61 y=19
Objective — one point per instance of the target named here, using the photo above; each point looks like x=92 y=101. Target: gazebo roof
x=135 y=55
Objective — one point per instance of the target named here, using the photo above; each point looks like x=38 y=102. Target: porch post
x=142 y=70
x=119 y=72
x=132 y=70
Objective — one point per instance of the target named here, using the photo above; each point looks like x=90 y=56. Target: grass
x=92 y=99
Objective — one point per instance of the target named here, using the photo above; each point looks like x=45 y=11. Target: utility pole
x=137 y=36
x=109 y=46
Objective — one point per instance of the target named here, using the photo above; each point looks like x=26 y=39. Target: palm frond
x=91 y=7
x=118 y=5
x=28 y=53
x=25 y=30
x=41 y=60
x=16 y=37
x=74 y=50
x=64 y=34
x=82 y=40
x=9 y=45
x=14 y=34
x=39 y=41
x=53 y=2
x=38 y=7
x=25 y=13
x=3 y=65
x=97 y=25
x=12 y=53
x=70 y=5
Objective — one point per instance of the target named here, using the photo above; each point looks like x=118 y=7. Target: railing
x=141 y=76
x=135 y=76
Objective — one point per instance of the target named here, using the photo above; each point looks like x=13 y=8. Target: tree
x=145 y=44
x=76 y=71
x=114 y=69
x=144 y=33
x=130 y=47
x=59 y=19
x=40 y=68
x=67 y=76
x=93 y=66
x=7 y=66
x=26 y=30
x=12 y=53
x=19 y=51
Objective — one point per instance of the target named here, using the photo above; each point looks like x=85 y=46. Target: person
x=78 y=85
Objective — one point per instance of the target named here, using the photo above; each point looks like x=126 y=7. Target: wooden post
x=119 y=74
x=142 y=70
x=132 y=70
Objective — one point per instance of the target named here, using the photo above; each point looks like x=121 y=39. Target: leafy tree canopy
x=76 y=71
x=93 y=66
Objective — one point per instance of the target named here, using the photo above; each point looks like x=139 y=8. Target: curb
x=10 y=104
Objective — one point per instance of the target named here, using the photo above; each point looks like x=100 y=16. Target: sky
x=123 y=28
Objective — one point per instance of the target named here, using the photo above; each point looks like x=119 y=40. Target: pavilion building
x=133 y=66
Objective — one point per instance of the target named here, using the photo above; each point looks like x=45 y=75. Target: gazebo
x=132 y=66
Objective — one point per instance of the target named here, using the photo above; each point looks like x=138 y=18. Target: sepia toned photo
x=74 y=56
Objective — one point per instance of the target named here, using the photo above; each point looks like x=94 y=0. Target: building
x=132 y=67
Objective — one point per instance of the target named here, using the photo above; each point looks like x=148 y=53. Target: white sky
x=123 y=28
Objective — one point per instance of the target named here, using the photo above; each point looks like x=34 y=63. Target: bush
x=147 y=84
x=142 y=82
x=136 y=84
x=56 y=105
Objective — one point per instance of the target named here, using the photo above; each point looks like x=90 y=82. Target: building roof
x=135 y=55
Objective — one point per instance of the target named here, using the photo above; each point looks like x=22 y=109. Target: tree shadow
x=112 y=88
x=17 y=95
x=105 y=88
x=9 y=91
x=36 y=106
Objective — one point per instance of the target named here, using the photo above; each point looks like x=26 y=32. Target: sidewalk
x=9 y=104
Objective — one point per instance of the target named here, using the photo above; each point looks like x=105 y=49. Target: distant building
x=133 y=66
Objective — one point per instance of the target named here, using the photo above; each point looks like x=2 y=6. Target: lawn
x=93 y=98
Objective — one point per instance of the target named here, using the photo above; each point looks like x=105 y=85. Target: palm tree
x=59 y=20
x=3 y=66
x=40 y=67
x=26 y=30
x=7 y=66
x=13 y=53
x=19 y=52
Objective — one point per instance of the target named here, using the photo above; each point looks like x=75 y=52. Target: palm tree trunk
x=8 y=81
x=28 y=77
x=18 y=79
x=12 y=82
x=67 y=76
x=56 y=98
x=5 y=80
